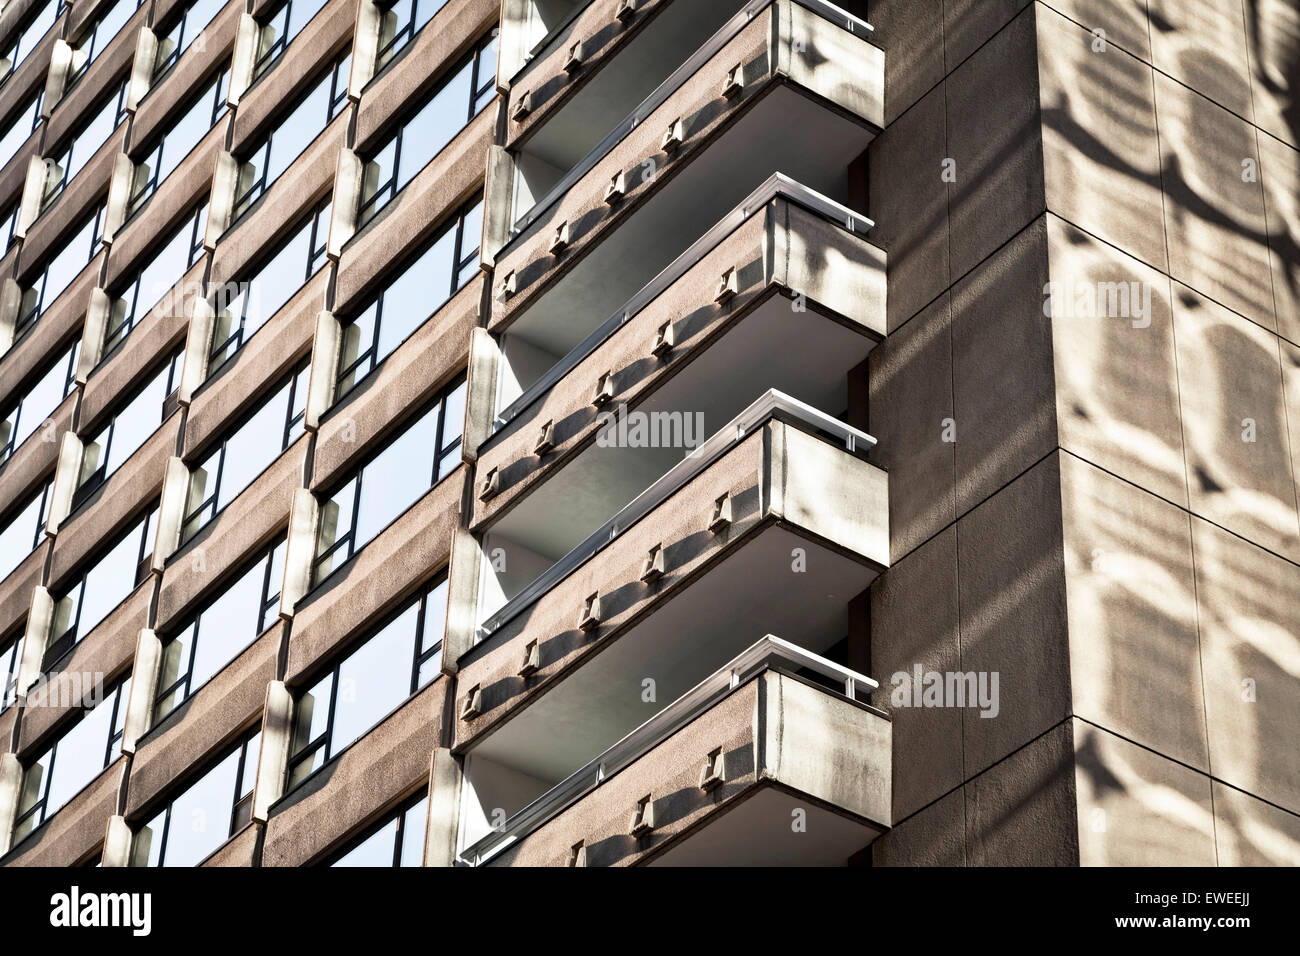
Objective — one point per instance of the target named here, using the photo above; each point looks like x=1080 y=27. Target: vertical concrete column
x=11 y=782
x=513 y=41
x=29 y=207
x=365 y=47
x=347 y=200
x=146 y=51
x=299 y=550
x=171 y=512
x=144 y=689
x=119 y=195
x=117 y=843
x=462 y=598
x=498 y=203
x=273 y=759
x=198 y=346
x=445 y=782
x=484 y=357
x=326 y=346
x=66 y=473
x=57 y=78
x=98 y=312
x=11 y=298
x=243 y=60
x=40 y=619
x=221 y=208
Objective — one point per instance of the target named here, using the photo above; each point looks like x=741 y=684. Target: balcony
x=786 y=265
x=773 y=759
x=618 y=215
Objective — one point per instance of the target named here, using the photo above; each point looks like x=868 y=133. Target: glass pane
x=395 y=479
x=201 y=816
x=311 y=715
x=161 y=275
x=134 y=424
x=298 y=130
x=434 y=126
x=374 y=680
x=413 y=835
x=277 y=281
x=227 y=626
x=256 y=444
x=110 y=580
x=42 y=399
x=376 y=850
x=187 y=132
x=79 y=756
x=416 y=294
x=68 y=263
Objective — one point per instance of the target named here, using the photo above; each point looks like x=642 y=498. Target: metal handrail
x=761 y=655
x=778 y=184
x=771 y=404
x=662 y=92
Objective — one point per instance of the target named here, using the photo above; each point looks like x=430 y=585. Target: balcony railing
x=772 y=404
x=776 y=185
x=667 y=88
x=768 y=653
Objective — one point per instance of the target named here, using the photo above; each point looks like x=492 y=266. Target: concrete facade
x=975 y=335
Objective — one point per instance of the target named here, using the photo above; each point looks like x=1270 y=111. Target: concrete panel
x=16 y=590
x=1202 y=44
x=909 y=201
x=1250 y=643
x=911 y=33
x=1123 y=22
x=1235 y=424
x=1021 y=812
x=998 y=151
x=1280 y=173
x=1273 y=41
x=969 y=24
x=910 y=381
x=1214 y=206
x=1004 y=386
x=1099 y=138
x=243 y=849
x=386 y=765
x=1135 y=657
x=914 y=622
x=385 y=571
x=201 y=727
x=1138 y=808
x=1250 y=832
x=1012 y=595
x=1117 y=400
x=935 y=836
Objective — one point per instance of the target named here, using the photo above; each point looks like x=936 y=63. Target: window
x=8 y=220
x=21 y=126
x=372 y=680
x=457 y=101
x=390 y=482
x=294 y=134
x=154 y=283
x=10 y=660
x=413 y=296
x=400 y=22
x=279 y=30
x=64 y=266
x=245 y=454
x=229 y=623
x=205 y=816
x=102 y=587
x=173 y=42
x=24 y=530
x=80 y=755
x=178 y=142
x=28 y=37
x=39 y=402
x=399 y=841
x=100 y=37
x=271 y=286
x=129 y=428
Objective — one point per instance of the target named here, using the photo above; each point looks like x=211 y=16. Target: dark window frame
x=69 y=385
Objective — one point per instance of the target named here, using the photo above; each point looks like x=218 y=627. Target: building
x=607 y=432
